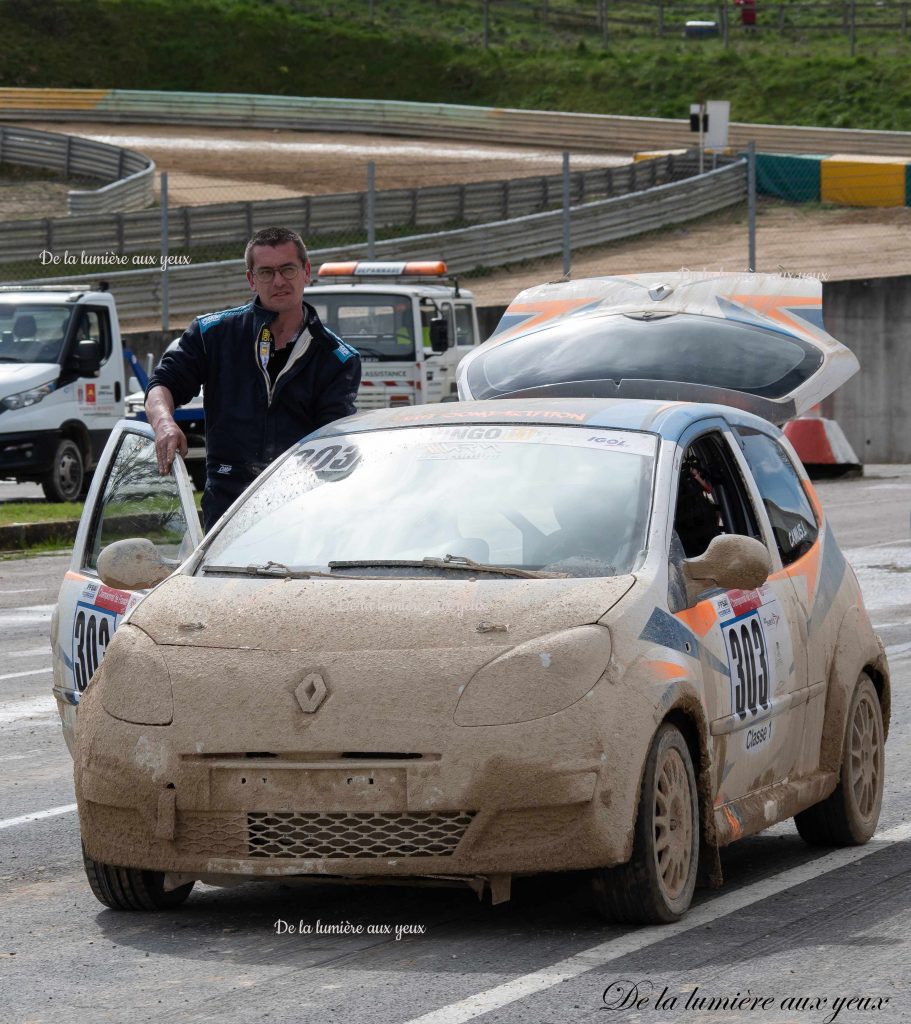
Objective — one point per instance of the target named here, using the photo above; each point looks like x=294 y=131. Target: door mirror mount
x=133 y=564
x=732 y=562
x=439 y=334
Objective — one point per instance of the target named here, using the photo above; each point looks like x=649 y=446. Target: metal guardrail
x=234 y=223
x=205 y=286
x=593 y=132
x=131 y=175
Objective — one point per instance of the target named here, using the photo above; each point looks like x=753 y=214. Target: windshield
x=380 y=326
x=573 y=500
x=680 y=347
x=30 y=333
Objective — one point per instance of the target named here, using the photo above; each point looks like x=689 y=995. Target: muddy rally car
x=518 y=634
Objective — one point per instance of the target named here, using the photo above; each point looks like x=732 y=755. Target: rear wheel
x=132 y=888
x=63 y=481
x=849 y=816
x=656 y=886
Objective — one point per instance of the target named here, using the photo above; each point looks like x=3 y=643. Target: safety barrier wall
x=871 y=317
x=131 y=175
x=227 y=223
x=201 y=287
x=611 y=133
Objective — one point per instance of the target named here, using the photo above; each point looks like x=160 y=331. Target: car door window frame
x=785 y=455
x=90 y=525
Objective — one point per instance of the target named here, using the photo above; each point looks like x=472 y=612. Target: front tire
x=132 y=888
x=849 y=816
x=656 y=886
x=63 y=481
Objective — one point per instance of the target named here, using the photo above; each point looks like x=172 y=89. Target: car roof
x=667 y=419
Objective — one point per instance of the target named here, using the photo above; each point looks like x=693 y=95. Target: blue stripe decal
x=508 y=320
x=668 y=631
x=831 y=574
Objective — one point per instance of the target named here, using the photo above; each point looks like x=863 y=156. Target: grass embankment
x=418 y=50
x=17 y=512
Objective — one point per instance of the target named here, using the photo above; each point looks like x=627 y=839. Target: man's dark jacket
x=247 y=428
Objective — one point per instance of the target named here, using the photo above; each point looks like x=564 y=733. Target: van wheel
x=131 y=888
x=63 y=481
x=849 y=816
x=656 y=886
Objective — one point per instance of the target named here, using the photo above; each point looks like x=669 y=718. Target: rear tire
x=132 y=888
x=63 y=481
x=849 y=816
x=656 y=885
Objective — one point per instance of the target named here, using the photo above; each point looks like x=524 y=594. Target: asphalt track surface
x=790 y=922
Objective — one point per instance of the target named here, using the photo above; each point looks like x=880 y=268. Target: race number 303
x=748 y=658
x=93 y=628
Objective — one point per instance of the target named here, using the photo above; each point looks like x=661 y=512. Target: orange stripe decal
x=700 y=618
x=666 y=669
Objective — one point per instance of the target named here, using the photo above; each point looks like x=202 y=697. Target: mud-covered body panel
x=463 y=726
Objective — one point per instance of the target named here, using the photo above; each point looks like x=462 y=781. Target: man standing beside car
x=271 y=373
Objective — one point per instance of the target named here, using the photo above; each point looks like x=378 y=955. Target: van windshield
x=565 y=499
x=379 y=325
x=31 y=333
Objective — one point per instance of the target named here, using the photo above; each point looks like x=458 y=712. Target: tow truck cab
x=61 y=385
x=410 y=322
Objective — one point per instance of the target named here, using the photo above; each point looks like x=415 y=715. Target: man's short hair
x=275 y=236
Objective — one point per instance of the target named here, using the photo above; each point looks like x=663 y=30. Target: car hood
x=16 y=377
x=355 y=615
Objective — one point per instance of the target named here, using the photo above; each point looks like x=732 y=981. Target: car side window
x=137 y=502
x=790 y=512
x=711 y=500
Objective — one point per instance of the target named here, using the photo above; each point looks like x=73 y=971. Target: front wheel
x=656 y=885
x=849 y=816
x=63 y=481
x=132 y=888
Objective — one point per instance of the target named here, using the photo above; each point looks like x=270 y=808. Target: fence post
x=602 y=20
x=660 y=17
x=544 y=11
x=904 y=19
x=853 y=27
x=371 y=210
x=68 y=157
x=567 y=238
x=486 y=24
x=165 y=311
x=723 y=11
x=751 y=206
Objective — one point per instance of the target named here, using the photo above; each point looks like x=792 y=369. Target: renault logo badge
x=311 y=692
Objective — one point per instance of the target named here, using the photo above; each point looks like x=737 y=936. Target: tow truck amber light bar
x=373 y=268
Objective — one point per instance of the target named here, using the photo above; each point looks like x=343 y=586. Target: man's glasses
x=289 y=271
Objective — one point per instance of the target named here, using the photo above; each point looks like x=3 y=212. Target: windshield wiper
x=275 y=570
x=458 y=562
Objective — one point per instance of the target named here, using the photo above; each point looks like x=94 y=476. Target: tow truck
x=410 y=322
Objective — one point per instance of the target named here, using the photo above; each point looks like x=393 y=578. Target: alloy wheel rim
x=865 y=757
x=673 y=824
x=68 y=474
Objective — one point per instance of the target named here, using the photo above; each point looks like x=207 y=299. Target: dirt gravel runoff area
x=210 y=165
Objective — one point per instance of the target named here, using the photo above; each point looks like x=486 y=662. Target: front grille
x=343 y=834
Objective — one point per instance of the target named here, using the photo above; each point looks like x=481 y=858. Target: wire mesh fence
x=556 y=22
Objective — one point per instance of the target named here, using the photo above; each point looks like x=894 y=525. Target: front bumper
x=481 y=804
x=28 y=455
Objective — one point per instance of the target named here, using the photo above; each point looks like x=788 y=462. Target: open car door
x=128 y=498
x=752 y=341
